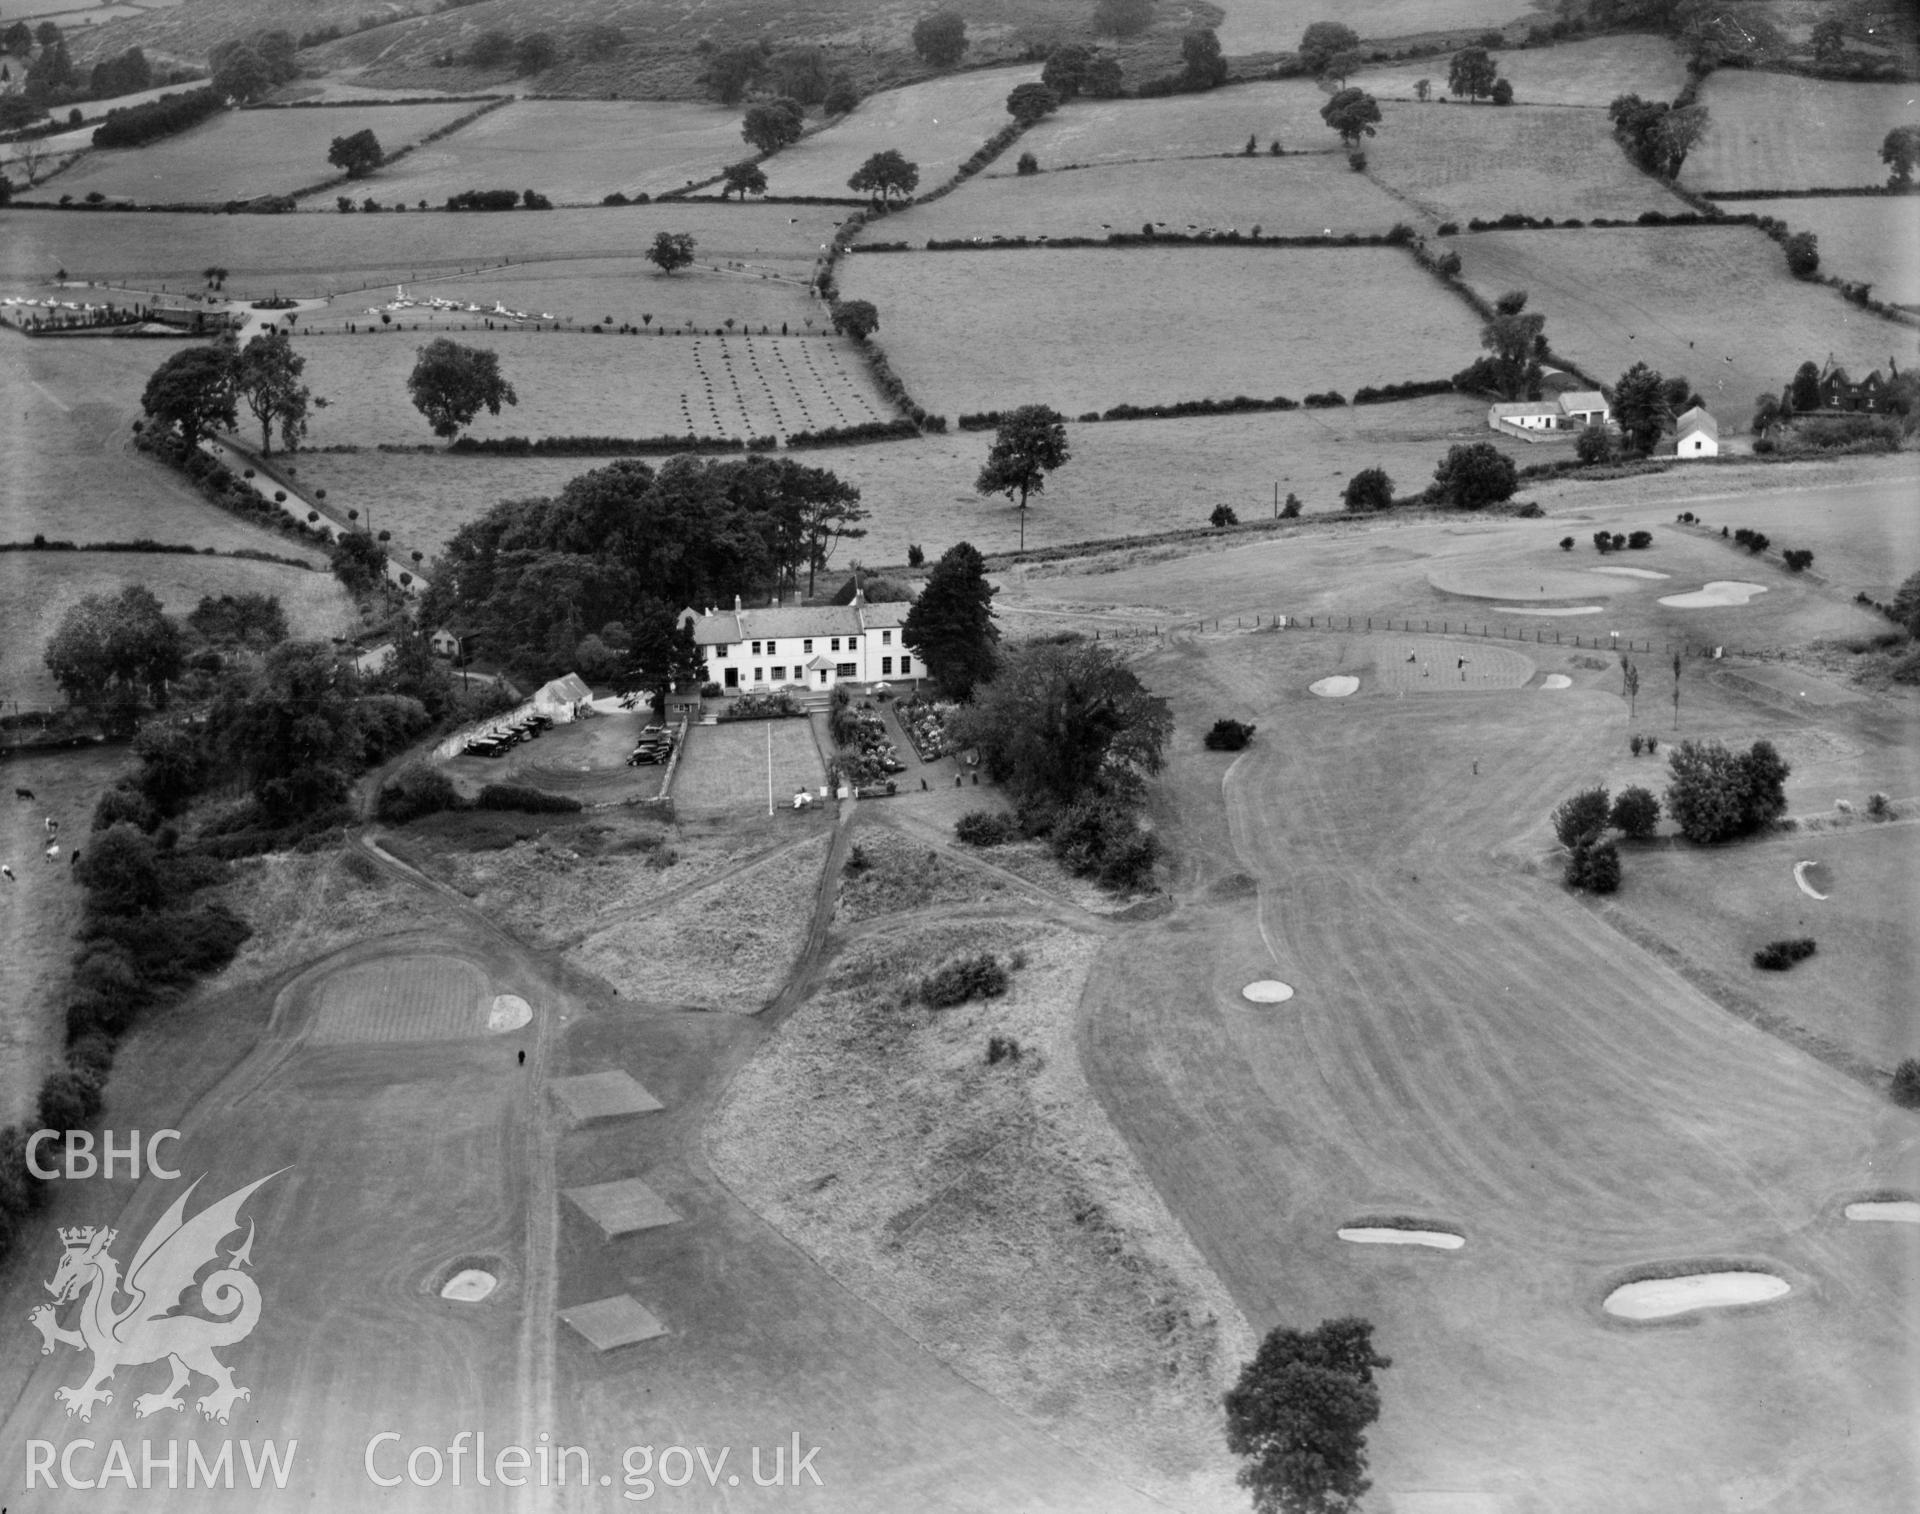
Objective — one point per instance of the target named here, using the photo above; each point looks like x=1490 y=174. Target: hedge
x=1368 y=394
x=866 y=431
x=138 y=125
x=602 y=446
x=513 y=796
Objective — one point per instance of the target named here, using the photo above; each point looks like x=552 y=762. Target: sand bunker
x=1268 y=991
x=1631 y=572
x=1800 y=877
x=1337 y=687
x=1894 y=1211
x=1660 y=1297
x=509 y=1012
x=1719 y=593
x=1556 y=681
x=1394 y=1235
x=469 y=1286
x=1538 y=610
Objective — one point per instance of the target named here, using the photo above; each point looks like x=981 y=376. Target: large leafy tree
x=743 y=179
x=356 y=156
x=885 y=175
x=292 y=727
x=192 y=393
x=1067 y=721
x=1641 y=407
x=1203 y=66
x=951 y=624
x=1353 y=113
x=665 y=657
x=1028 y=103
x=1322 y=40
x=1471 y=73
x=773 y=126
x=855 y=318
x=1657 y=135
x=1715 y=794
x=1029 y=444
x=451 y=384
x=671 y=250
x=1518 y=343
x=1299 y=1414
x=266 y=375
x=941 y=39
x=116 y=647
x=1065 y=71
x=730 y=70
x=1900 y=151
x=1473 y=474
x=239 y=72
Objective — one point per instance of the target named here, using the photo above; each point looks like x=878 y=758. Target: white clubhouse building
x=812 y=646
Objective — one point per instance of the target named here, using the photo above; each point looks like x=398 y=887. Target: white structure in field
x=1576 y=410
x=809 y=646
x=1696 y=434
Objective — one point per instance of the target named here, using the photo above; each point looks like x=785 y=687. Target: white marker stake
x=769 y=769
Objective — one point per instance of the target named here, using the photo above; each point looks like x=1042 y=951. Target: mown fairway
x=1776 y=131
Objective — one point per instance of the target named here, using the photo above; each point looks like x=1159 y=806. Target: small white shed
x=1697 y=434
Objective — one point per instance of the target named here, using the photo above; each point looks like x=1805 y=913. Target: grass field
x=1461 y=161
x=241 y=154
x=1872 y=239
x=1195 y=323
x=572 y=384
x=572 y=151
x=1181 y=126
x=1779 y=131
x=1681 y=300
x=1568 y=73
x=1297 y=196
x=1275 y=25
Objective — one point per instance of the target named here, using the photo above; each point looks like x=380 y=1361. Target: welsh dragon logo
x=146 y=1329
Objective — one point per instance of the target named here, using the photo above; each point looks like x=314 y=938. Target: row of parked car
x=503 y=739
x=655 y=745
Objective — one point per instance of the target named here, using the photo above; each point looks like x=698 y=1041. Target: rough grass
x=1780 y=131
x=1875 y=239
x=1327 y=319
x=303 y=905
x=896 y=875
x=728 y=947
x=991 y=1210
x=241 y=154
x=1591 y=73
x=1680 y=299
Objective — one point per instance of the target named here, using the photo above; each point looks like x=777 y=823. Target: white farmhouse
x=812 y=647
x=1697 y=434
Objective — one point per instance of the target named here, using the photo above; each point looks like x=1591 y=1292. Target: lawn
x=1461 y=161
x=1084 y=330
x=1871 y=238
x=571 y=384
x=36 y=589
x=1293 y=196
x=724 y=769
x=1591 y=72
x=937 y=125
x=1684 y=300
x=1778 y=131
x=572 y=151
x=241 y=154
x=1181 y=126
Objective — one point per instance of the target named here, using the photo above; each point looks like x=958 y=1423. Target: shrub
x=1778 y=956
x=1228 y=735
x=1027 y=164
x=1002 y=1049
x=1906 y=1083
x=1594 y=866
x=1797 y=558
x=1369 y=489
x=1582 y=817
x=1223 y=515
x=1639 y=541
x=1566 y=544
x=1290 y=507
x=1636 y=812
x=414 y=791
x=1879 y=806
x=985 y=828
x=980 y=976
x=1635 y=743
x=512 y=796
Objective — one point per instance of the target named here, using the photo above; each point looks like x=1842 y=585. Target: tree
x=1223 y=515
x=826 y=511
x=1322 y=40
x=1582 y=816
x=1473 y=474
x=1029 y=444
x=1593 y=865
x=1804 y=391
x=772 y=127
x=267 y=377
x=357 y=155
x=450 y=384
x=1503 y=91
x=1423 y=90
x=1594 y=445
x=1829 y=40
x=743 y=179
x=1641 y=408
x=1029 y=103
x=118 y=647
x=855 y=318
x=1678 y=132
x=1299 y=1413
x=17 y=39
x=47 y=34
x=1203 y=66
x=1369 y=489
x=671 y=250
x=730 y=70
x=940 y=39
x=191 y=393
x=842 y=97
x=1656 y=135
x=885 y=175
x=1717 y=795
x=1629 y=683
x=1122 y=18
x=1353 y=113
x=1906 y=604
x=1803 y=254
x=535 y=53
x=1105 y=80
x=123 y=75
x=801 y=74
x=1518 y=343
x=1901 y=153
x=1768 y=412
x=1635 y=813
x=359 y=562
x=121 y=871
x=1065 y=71
x=664 y=657
x=1067 y=722
x=239 y=73
x=1471 y=73
x=292 y=728
x=951 y=623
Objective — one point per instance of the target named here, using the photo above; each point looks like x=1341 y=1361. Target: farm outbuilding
x=1576 y=410
x=566 y=698
x=1697 y=434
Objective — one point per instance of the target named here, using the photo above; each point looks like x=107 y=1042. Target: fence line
x=1612 y=642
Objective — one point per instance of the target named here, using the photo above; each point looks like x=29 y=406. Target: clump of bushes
x=1797 y=559
x=513 y=796
x=1778 y=956
x=1002 y=1049
x=1639 y=541
x=1228 y=736
x=985 y=828
x=414 y=791
x=980 y=976
x=1594 y=865
x=1223 y=515
x=1754 y=541
x=1906 y=1083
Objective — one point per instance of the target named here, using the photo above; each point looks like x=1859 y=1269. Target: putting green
x=417 y=998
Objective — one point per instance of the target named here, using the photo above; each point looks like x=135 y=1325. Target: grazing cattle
x=23 y=793
x=6 y=872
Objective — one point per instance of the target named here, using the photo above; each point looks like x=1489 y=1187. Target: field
x=1778 y=131
x=572 y=385
x=1181 y=126
x=1620 y=296
x=1461 y=161
x=1084 y=330
x=242 y=154
x=572 y=151
x=1876 y=239
x=1276 y=26
x=1294 y=196
x=936 y=125
x=1568 y=73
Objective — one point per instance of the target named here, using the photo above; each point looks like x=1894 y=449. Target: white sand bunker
x=1719 y=593
x=1892 y=1211
x=1395 y=1235
x=1631 y=572
x=469 y=1286
x=1660 y=1297
x=1556 y=681
x=1336 y=687
x=1800 y=877
x=509 y=1012
x=1542 y=610
x=1267 y=991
